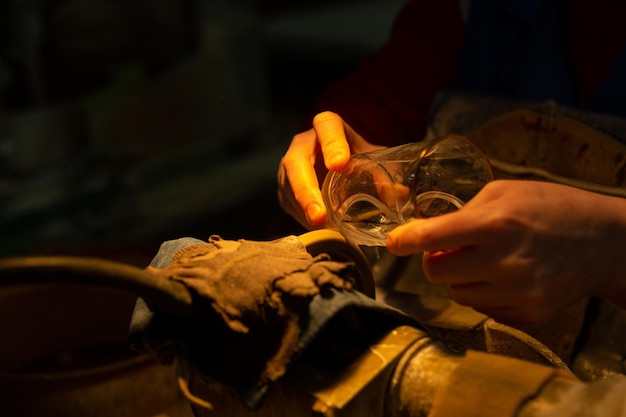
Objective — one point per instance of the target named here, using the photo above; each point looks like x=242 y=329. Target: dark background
x=124 y=123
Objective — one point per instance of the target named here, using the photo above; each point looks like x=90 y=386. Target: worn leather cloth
x=257 y=307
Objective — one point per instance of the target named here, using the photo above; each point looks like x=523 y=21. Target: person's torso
x=547 y=50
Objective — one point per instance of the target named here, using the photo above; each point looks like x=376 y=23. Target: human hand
x=520 y=251
x=301 y=170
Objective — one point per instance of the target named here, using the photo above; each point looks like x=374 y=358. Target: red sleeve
x=597 y=35
x=387 y=98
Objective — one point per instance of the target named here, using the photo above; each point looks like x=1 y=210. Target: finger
x=300 y=176
x=482 y=296
x=288 y=201
x=458 y=266
x=498 y=296
x=445 y=232
x=331 y=134
x=511 y=314
x=504 y=306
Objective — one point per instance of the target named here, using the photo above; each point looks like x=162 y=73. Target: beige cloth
x=258 y=290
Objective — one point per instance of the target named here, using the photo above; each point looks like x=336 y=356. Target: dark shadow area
x=126 y=123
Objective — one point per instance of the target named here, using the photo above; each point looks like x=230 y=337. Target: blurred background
x=124 y=123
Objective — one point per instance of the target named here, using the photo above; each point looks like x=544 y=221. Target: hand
x=520 y=251
x=300 y=172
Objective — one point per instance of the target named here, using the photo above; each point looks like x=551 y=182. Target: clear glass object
x=379 y=190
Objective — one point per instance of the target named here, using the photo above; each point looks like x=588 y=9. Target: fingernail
x=391 y=242
x=335 y=159
x=315 y=214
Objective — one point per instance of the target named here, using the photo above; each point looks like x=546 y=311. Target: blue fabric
x=519 y=49
x=168 y=248
x=144 y=326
